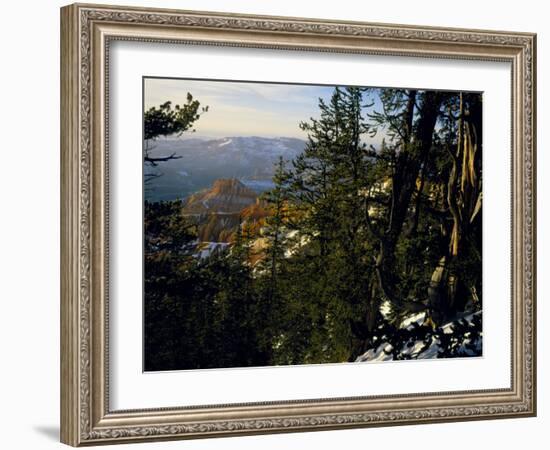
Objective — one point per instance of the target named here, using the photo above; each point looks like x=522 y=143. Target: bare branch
x=156 y=160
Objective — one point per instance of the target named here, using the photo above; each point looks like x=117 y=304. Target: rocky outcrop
x=220 y=209
x=227 y=195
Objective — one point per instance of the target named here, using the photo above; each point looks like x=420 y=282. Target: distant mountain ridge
x=250 y=159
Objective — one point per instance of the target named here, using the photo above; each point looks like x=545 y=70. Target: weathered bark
x=464 y=199
x=362 y=329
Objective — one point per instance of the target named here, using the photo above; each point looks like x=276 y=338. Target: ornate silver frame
x=86 y=31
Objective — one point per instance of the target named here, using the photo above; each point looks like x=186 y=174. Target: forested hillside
x=363 y=249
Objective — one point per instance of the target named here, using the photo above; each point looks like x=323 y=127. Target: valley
x=199 y=162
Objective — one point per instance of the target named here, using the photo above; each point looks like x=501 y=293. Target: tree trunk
x=464 y=198
x=415 y=147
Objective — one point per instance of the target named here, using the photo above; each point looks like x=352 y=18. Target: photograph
x=290 y=224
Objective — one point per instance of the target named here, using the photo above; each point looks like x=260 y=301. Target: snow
x=304 y=240
x=228 y=141
x=377 y=354
x=418 y=318
x=206 y=249
x=385 y=309
x=420 y=349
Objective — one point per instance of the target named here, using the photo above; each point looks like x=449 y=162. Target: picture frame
x=87 y=33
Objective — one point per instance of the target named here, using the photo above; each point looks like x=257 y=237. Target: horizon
x=245 y=108
x=203 y=159
x=187 y=136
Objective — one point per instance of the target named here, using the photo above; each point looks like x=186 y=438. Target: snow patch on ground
x=424 y=350
x=206 y=249
x=418 y=319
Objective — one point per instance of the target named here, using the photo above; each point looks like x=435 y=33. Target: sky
x=242 y=108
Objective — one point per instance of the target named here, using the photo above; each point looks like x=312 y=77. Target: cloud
x=242 y=108
x=239 y=108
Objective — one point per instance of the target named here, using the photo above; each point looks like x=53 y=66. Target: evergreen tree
x=166 y=120
x=326 y=191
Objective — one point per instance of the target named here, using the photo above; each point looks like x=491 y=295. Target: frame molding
x=86 y=31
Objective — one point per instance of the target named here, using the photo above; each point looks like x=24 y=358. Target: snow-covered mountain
x=251 y=159
x=255 y=146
